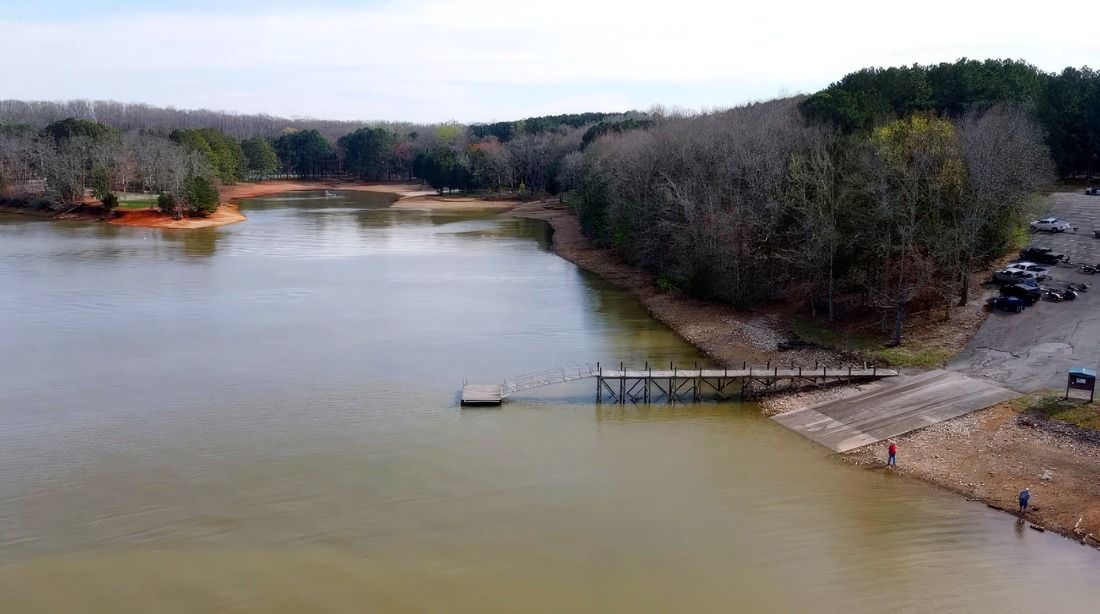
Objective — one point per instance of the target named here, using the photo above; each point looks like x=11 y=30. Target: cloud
x=472 y=60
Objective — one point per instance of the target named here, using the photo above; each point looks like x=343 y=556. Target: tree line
x=1066 y=104
x=760 y=203
x=57 y=165
x=136 y=116
x=57 y=162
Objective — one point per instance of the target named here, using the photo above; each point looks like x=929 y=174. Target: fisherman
x=1025 y=496
x=892 y=451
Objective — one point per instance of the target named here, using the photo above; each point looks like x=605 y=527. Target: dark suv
x=1010 y=304
x=1042 y=255
x=1029 y=293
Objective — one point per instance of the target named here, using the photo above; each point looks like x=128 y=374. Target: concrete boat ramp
x=894 y=406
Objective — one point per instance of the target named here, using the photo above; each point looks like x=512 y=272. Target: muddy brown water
x=264 y=417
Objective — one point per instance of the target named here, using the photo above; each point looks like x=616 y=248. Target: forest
x=883 y=191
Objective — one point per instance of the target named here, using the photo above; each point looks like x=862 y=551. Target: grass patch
x=143 y=203
x=1053 y=406
x=869 y=347
x=820 y=333
x=908 y=356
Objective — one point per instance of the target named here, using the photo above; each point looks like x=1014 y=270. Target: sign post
x=1082 y=379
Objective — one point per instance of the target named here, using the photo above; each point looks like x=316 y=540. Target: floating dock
x=482 y=394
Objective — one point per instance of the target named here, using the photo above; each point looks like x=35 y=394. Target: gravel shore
x=990 y=455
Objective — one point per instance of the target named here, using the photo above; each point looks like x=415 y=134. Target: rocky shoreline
x=990 y=455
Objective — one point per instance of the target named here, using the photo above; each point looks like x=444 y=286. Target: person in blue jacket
x=1025 y=496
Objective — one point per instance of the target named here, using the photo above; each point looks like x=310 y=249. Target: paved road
x=1032 y=350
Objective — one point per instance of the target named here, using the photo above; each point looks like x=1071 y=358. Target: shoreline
x=991 y=454
x=727 y=335
x=436 y=202
x=225 y=214
x=228 y=211
x=241 y=190
x=985 y=456
x=406 y=196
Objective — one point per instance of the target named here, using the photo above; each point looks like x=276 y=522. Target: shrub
x=101 y=183
x=166 y=203
x=667 y=284
x=202 y=196
x=110 y=200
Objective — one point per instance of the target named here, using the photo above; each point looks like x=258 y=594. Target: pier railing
x=557 y=375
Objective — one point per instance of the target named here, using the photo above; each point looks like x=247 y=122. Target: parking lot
x=1083 y=212
x=1032 y=350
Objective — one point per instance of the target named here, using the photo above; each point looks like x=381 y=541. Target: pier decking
x=674 y=384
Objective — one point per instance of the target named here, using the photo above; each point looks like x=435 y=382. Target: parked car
x=1012 y=276
x=1093 y=190
x=1029 y=293
x=1010 y=304
x=1042 y=255
x=1040 y=272
x=1050 y=224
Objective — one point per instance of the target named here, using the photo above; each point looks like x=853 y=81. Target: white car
x=1050 y=224
x=1040 y=272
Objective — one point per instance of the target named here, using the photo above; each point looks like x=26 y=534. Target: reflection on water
x=264 y=416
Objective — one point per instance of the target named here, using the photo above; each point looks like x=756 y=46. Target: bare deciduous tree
x=1007 y=162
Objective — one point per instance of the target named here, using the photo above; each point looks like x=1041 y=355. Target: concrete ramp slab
x=893 y=407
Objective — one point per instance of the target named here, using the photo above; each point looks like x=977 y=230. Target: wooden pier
x=676 y=384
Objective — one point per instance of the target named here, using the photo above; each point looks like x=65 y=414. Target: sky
x=489 y=60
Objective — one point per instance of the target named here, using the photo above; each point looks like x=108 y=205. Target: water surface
x=264 y=416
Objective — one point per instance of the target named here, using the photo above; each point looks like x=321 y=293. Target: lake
x=265 y=417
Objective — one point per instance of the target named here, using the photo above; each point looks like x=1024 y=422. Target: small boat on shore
x=330 y=194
